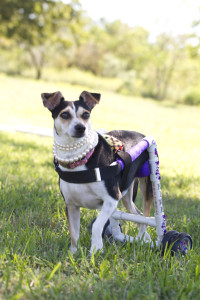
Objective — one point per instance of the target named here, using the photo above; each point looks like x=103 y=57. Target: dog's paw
x=96 y=248
x=129 y=238
x=145 y=238
x=72 y=250
x=123 y=238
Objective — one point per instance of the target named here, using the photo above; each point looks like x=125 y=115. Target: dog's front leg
x=73 y=216
x=109 y=205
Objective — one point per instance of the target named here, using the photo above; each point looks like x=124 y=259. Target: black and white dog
x=78 y=147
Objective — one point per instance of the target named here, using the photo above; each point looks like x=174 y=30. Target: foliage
x=165 y=55
x=58 y=34
x=36 y=25
x=34 y=237
x=192 y=97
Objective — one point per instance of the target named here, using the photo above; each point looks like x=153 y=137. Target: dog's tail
x=135 y=188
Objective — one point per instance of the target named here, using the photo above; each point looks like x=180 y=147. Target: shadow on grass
x=32 y=209
x=22 y=141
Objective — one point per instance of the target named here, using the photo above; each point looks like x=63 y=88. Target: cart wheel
x=169 y=237
x=182 y=242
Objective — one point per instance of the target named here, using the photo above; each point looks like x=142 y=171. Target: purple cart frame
x=158 y=221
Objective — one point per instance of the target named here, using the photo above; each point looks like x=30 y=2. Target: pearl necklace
x=90 y=139
x=73 y=146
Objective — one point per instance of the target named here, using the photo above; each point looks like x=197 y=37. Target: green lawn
x=34 y=237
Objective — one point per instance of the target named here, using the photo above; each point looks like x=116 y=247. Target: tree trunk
x=38 y=73
x=37 y=57
x=169 y=77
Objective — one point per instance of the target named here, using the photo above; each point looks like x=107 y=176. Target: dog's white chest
x=89 y=195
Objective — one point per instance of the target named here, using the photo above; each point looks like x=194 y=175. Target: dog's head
x=71 y=118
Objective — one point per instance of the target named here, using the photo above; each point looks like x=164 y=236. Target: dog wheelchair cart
x=178 y=242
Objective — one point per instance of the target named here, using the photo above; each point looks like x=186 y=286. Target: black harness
x=105 y=173
x=87 y=176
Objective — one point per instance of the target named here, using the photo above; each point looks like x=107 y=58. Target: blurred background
x=149 y=49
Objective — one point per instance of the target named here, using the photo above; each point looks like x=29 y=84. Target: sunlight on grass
x=34 y=236
x=176 y=128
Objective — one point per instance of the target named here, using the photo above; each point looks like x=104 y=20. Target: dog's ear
x=51 y=100
x=91 y=99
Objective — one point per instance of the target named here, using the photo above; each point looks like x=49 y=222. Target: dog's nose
x=80 y=129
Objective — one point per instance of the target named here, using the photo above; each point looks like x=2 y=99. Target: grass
x=34 y=238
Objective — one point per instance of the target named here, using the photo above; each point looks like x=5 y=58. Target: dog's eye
x=85 y=115
x=65 y=115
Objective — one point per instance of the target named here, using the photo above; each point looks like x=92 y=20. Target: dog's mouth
x=78 y=135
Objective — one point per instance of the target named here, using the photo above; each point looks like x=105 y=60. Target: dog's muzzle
x=79 y=130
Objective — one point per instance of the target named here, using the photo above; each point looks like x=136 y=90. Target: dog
x=77 y=147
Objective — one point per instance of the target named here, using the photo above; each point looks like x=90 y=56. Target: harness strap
x=126 y=158
x=131 y=169
x=93 y=175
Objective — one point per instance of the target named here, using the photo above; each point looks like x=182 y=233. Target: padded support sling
x=131 y=167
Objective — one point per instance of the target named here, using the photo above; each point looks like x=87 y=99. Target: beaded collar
x=76 y=154
x=79 y=162
x=115 y=144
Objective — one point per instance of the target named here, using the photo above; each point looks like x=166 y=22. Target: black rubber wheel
x=183 y=244
x=180 y=243
x=168 y=238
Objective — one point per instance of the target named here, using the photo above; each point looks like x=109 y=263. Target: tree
x=129 y=44
x=92 y=48
x=111 y=48
x=164 y=57
x=37 y=25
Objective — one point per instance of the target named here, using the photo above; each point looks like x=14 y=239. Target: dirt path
x=27 y=129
